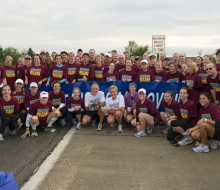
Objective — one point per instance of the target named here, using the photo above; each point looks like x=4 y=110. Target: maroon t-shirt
x=135 y=68
x=93 y=63
x=21 y=98
x=37 y=73
x=166 y=69
x=39 y=110
x=57 y=99
x=99 y=71
x=151 y=68
x=64 y=63
x=203 y=75
x=145 y=76
x=11 y=75
x=179 y=68
x=189 y=109
x=58 y=73
x=172 y=109
x=71 y=103
x=120 y=67
x=110 y=77
x=215 y=85
x=211 y=112
x=161 y=76
x=71 y=71
x=10 y=106
x=2 y=74
x=218 y=67
x=127 y=75
x=86 y=70
x=21 y=72
x=176 y=77
x=194 y=80
x=29 y=99
x=147 y=107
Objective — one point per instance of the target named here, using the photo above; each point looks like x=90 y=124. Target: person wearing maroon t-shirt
x=58 y=99
x=107 y=59
x=43 y=57
x=64 y=56
x=182 y=59
x=151 y=63
x=198 y=60
x=99 y=68
x=31 y=96
x=115 y=57
x=170 y=109
x=40 y=114
x=127 y=74
x=173 y=75
x=36 y=73
x=53 y=55
x=159 y=73
x=208 y=124
x=137 y=66
x=145 y=75
x=146 y=114
x=58 y=72
x=10 y=72
x=2 y=78
x=111 y=75
x=165 y=64
x=185 y=120
x=21 y=72
x=71 y=67
x=76 y=107
x=213 y=80
x=85 y=71
x=11 y=107
x=184 y=71
x=218 y=61
x=92 y=57
x=121 y=65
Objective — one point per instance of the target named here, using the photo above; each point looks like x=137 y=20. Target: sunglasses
x=24 y=54
x=209 y=69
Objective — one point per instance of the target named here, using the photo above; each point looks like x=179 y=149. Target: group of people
x=195 y=117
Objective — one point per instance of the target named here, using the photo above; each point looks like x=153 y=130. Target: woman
x=198 y=60
x=99 y=68
x=145 y=75
x=146 y=56
x=170 y=109
x=21 y=62
x=208 y=126
x=71 y=67
x=127 y=74
x=131 y=99
x=146 y=114
x=111 y=75
x=76 y=107
x=185 y=120
x=184 y=71
x=77 y=60
x=19 y=93
x=11 y=114
x=115 y=108
x=173 y=75
x=159 y=73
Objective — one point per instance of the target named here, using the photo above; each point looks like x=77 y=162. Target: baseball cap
x=27 y=57
x=79 y=50
x=142 y=90
x=144 y=61
x=19 y=81
x=44 y=94
x=43 y=52
x=138 y=57
x=86 y=54
x=34 y=84
x=166 y=59
x=152 y=56
x=64 y=52
x=108 y=54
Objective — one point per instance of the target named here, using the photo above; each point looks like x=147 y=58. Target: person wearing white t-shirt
x=115 y=108
x=94 y=106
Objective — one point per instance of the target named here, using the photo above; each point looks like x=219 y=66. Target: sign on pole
x=158 y=43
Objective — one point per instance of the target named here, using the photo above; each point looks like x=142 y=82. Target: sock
x=33 y=126
x=53 y=119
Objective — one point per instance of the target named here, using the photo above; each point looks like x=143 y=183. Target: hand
x=47 y=84
x=19 y=121
x=200 y=52
x=23 y=111
x=85 y=79
x=168 y=81
x=200 y=121
x=27 y=132
x=66 y=82
x=74 y=81
x=40 y=82
x=76 y=108
x=189 y=131
x=157 y=81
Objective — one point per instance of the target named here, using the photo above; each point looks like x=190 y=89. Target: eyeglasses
x=209 y=69
x=24 y=53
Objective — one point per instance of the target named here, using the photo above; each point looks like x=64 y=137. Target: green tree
x=13 y=52
x=30 y=52
x=131 y=47
x=134 y=49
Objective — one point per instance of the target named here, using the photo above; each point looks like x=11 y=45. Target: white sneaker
x=1 y=137
x=149 y=129
x=63 y=122
x=94 y=123
x=185 y=141
x=201 y=148
x=13 y=132
x=140 y=134
x=213 y=144
x=166 y=130
x=113 y=125
x=79 y=126
x=120 y=130
x=99 y=128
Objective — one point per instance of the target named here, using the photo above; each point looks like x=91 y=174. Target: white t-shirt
x=94 y=100
x=118 y=102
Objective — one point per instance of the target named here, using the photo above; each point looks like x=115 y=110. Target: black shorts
x=182 y=124
x=42 y=123
x=63 y=111
x=216 y=135
x=92 y=114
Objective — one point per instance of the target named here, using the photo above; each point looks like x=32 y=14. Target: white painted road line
x=46 y=166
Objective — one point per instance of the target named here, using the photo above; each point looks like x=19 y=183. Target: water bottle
x=166 y=117
x=105 y=111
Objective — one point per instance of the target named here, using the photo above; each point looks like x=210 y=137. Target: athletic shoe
x=166 y=130
x=213 y=144
x=34 y=134
x=99 y=128
x=113 y=125
x=52 y=130
x=185 y=141
x=74 y=123
x=135 y=129
x=78 y=126
x=120 y=130
x=63 y=122
x=93 y=122
x=13 y=132
x=1 y=137
x=149 y=129
x=47 y=129
x=140 y=134
x=201 y=148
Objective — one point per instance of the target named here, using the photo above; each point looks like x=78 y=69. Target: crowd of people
x=195 y=117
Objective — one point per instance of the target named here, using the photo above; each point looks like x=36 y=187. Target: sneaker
x=78 y=126
x=13 y=132
x=93 y=122
x=113 y=125
x=74 y=123
x=149 y=129
x=34 y=134
x=63 y=122
x=52 y=130
x=140 y=134
x=213 y=144
x=99 y=128
x=201 y=148
x=47 y=129
x=185 y=141
x=120 y=130
x=135 y=129
x=1 y=137
x=166 y=130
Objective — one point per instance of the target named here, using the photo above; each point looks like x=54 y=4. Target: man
x=121 y=65
x=21 y=71
x=132 y=59
x=40 y=114
x=107 y=59
x=182 y=59
x=43 y=57
x=152 y=62
x=126 y=54
x=115 y=58
x=173 y=75
x=162 y=57
x=218 y=60
x=64 y=56
x=53 y=55
x=92 y=57
x=166 y=64
x=137 y=67
x=127 y=74
x=94 y=102
x=24 y=53
x=71 y=66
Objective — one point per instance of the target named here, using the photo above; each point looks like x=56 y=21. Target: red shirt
x=58 y=73
x=11 y=75
x=161 y=76
x=215 y=85
x=21 y=72
x=71 y=103
x=120 y=67
x=71 y=71
x=10 y=106
x=135 y=68
x=29 y=99
x=145 y=76
x=86 y=70
x=172 y=109
x=166 y=69
x=176 y=77
x=127 y=75
x=110 y=77
x=151 y=68
x=21 y=98
x=39 y=110
x=99 y=71
x=179 y=68
x=2 y=74
x=211 y=112
x=57 y=99
x=93 y=63
x=203 y=75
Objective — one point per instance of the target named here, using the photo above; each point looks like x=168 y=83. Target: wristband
x=27 y=128
x=205 y=120
x=138 y=123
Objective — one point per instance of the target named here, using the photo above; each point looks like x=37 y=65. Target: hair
x=209 y=56
x=207 y=95
x=185 y=88
x=21 y=59
x=129 y=60
x=113 y=87
x=22 y=89
x=76 y=88
x=198 y=57
x=183 y=54
x=58 y=55
x=217 y=52
x=169 y=92
x=8 y=56
x=6 y=85
x=55 y=82
x=102 y=54
x=193 y=65
x=54 y=52
x=37 y=55
x=98 y=56
x=158 y=61
x=95 y=83
x=172 y=63
x=92 y=50
x=71 y=53
x=175 y=54
x=114 y=51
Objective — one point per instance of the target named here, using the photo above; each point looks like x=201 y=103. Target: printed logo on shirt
x=56 y=102
x=10 y=73
x=143 y=110
x=35 y=72
x=206 y=116
x=20 y=99
x=174 y=80
x=57 y=74
x=144 y=78
x=94 y=103
x=184 y=113
x=32 y=101
x=158 y=78
x=110 y=79
x=191 y=82
x=215 y=86
x=84 y=72
x=180 y=70
x=42 y=112
x=133 y=103
x=71 y=71
x=169 y=111
x=114 y=105
x=73 y=105
x=9 y=109
x=126 y=78
x=184 y=73
x=203 y=76
x=98 y=74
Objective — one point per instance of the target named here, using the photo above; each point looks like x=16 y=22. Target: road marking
x=46 y=166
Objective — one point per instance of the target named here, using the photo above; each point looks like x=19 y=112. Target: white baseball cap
x=144 y=61
x=34 y=84
x=19 y=81
x=108 y=54
x=142 y=90
x=44 y=94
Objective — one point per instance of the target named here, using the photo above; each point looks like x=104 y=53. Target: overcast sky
x=105 y=25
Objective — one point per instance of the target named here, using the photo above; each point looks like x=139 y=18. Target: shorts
x=42 y=123
x=216 y=135
x=92 y=114
x=183 y=124
x=217 y=124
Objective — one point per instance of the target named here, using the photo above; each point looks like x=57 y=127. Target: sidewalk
x=108 y=160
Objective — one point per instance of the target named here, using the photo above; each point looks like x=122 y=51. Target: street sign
x=158 y=43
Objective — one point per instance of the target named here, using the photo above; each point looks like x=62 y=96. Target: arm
x=213 y=95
